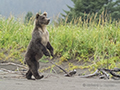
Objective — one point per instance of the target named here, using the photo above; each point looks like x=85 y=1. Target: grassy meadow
x=97 y=45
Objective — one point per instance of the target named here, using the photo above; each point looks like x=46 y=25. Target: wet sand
x=56 y=82
x=52 y=81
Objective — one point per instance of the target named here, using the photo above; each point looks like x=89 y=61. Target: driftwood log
x=10 y=63
x=112 y=72
x=103 y=73
x=96 y=73
x=66 y=73
x=20 y=68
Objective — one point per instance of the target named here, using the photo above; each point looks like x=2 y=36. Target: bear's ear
x=45 y=13
x=37 y=15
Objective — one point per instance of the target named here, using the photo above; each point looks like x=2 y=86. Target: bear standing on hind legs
x=38 y=46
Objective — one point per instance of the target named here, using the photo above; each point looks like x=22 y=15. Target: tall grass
x=94 y=44
x=14 y=38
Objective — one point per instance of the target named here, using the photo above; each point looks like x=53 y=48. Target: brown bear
x=38 y=46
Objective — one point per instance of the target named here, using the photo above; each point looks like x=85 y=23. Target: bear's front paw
x=51 y=51
x=47 y=54
x=52 y=55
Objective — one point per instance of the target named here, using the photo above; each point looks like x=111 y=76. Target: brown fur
x=38 y=46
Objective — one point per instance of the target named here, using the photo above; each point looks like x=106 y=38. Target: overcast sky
x=21 y=7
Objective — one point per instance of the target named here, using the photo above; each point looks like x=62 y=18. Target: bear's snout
x=48 y=20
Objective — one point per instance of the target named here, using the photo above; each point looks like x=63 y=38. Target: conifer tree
x=28 y=17
x=113 y=8
x=84 y=7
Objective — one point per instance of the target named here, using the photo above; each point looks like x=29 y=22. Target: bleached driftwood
x=104 y=73
x=112 y=72
x=10 y=63
x=66 y=73
x=12 y=72
x=96 y=73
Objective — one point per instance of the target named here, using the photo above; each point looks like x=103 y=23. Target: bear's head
x=42 y=19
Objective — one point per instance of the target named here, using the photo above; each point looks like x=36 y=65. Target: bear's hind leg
x=29 y=74
x=34 y=66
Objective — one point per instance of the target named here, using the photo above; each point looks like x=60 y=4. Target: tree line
x=85 y=9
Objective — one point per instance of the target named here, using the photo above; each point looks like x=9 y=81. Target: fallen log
x=96 y=73
x=112 y=72
x=10 y=63
x=66 y=73
x=105 y=73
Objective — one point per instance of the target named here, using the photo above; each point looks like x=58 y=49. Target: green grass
x=14 y=38
x=97 y=45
